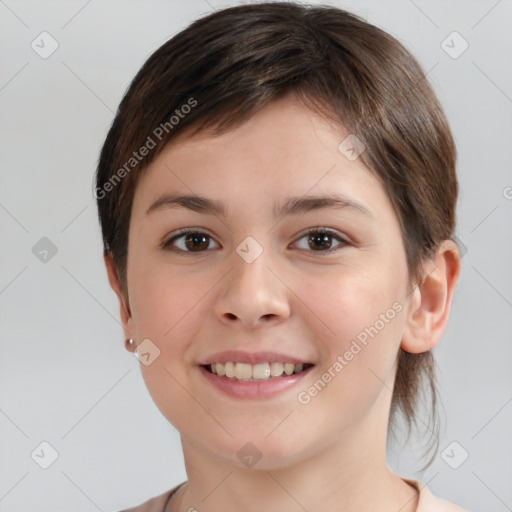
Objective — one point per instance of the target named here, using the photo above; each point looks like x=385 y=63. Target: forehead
x=283 y=149
x=287 y=117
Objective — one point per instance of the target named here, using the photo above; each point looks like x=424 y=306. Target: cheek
x=361 y=318
x=165 y=302
x=346 y=301
x=358 y=375
x=169 y=310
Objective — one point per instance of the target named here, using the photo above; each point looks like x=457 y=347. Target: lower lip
x=239 y=389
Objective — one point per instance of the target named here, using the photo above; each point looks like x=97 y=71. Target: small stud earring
x=129 y=344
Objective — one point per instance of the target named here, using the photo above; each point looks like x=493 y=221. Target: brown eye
x=196 y=241
x=189 y=241
x=321 y=240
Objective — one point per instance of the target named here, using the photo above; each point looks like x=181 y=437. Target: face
x=264 y=279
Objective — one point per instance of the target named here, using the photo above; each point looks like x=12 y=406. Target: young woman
x=277 y=199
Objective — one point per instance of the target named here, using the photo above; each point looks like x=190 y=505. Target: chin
x=260 y=453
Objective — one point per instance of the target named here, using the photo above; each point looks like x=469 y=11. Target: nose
x=253 y=295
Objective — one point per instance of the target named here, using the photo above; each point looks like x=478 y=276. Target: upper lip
x=237 y=356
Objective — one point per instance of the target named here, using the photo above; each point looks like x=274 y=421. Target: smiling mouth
x=255 y=372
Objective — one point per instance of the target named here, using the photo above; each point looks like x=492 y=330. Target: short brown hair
x=229 y=64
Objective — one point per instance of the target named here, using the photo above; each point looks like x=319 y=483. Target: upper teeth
x=260 y=371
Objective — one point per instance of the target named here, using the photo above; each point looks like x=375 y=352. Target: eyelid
x=320 y=229
x=167 y=243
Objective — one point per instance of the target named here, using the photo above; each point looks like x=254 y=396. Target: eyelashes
x=195 y=241
x=320 y=236
x=195 y=237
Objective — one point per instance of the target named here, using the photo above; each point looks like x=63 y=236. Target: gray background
x=65 y=377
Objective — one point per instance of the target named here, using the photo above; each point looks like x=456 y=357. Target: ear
x=125 y=313
x=431 y=300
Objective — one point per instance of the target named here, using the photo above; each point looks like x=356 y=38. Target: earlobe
x=115 y=284
x=431 y=300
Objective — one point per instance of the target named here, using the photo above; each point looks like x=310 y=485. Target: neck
x=349 y=475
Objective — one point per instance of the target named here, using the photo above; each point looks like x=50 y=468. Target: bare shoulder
x=447 y=506
x=428 y=502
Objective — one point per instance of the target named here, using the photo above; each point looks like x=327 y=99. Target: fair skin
x=328 y=454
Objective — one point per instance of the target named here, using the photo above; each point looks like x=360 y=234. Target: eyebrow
x=291 y=206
